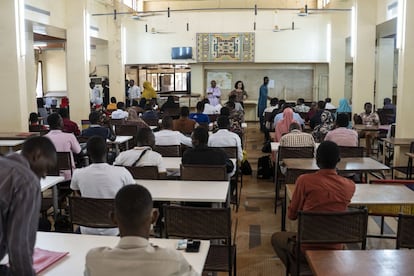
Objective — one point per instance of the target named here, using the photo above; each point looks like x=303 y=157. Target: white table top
x=182 y=190
x=50 y=181
x=10 y=143
x=120 y=139
x=369 y=194
x=79 y=245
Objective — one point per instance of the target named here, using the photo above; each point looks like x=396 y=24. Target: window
x=39 y=80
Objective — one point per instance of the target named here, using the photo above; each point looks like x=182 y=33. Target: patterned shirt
x=20 y=207
x=296 y=138
x=371 y=118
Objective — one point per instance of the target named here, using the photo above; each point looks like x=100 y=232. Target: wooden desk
x=396 y=142
x=17 y=135
x=50 y=182
x=79 y=245
x=361 y=262
x=410 y=167
x=215 y=192
x=368 y=194
x=362 y=127
x=351 y=164
x=118 y=141
x=8 y=146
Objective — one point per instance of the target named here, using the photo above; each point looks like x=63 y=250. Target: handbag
x=245 y=167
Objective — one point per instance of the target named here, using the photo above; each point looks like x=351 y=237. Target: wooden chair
x=405 y=237
x=144 y=172
x=151 y=122
x=237 y=178
x=203 y=172
x=288 y=152
x=128 y=130
x=91 y=212
x=205 y=223
x=117 y=121
x=293 y=174
x=349 y=226
x=169 y=151
x=386 y=116
x=407 y=170
x=345 y=152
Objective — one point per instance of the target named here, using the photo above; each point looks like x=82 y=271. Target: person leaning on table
x=134 y=254
x=20 y=202
x=323 y=190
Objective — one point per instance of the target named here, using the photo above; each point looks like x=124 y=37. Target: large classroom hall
x=319 y=58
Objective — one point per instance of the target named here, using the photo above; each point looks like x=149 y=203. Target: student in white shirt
x=99 y=180
x=120 y=112
x=134 y=254
x=167 y=136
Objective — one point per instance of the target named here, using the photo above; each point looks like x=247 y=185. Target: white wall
x=286 y=46
x=382 y=10
x=54 y=66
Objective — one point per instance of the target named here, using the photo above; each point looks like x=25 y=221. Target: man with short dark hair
x=201 y=154
x=301 y=107
x=120 y=112
x=296 y=138
x=95 y=119
x=184 y=124
x=20 y=202
x=99 y=179
x=134 y=254
x=199 y=116
x=342 y=135
x=167 y=136
x=328 y=104
x=323 y=190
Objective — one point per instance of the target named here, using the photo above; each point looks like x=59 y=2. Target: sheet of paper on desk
x=42 y=259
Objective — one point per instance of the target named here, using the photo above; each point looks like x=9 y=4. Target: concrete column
x=405 y=95
x=77 y=63
x=339 y=29
x=364 y=56
x=116 y=61
x=14 y=112
x=385 y=70
x=30 y=70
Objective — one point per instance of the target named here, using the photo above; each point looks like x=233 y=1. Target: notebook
x=42 y=258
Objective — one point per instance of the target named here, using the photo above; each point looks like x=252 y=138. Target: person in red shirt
x=68 y=125
x=323 y=190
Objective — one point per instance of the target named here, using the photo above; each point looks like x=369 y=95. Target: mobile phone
x=182 y=244
x=193 y=246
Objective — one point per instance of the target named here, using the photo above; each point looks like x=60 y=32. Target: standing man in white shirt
x=214 y=93
x=99 y=180
x=134 y=92
x=95 y=95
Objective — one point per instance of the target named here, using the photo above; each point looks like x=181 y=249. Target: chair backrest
x=212 y=117
x=412 y=147
x=295 y=152
x=151 y=122
x=293 y=174
x=351 y=151
x=268 y=116
x=198 y=222
x=145 y=172
x=231 y=152
x=349 y=226
x=203 y=172
x=91 y=212
x=128 y=130
x=64 y=162
x=168 y=151
x=405 y=237
x=386 y=116
x=117 y=121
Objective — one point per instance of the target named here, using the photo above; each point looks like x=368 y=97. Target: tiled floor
x=257 y=221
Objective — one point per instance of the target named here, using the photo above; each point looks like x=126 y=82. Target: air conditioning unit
x=96 y=80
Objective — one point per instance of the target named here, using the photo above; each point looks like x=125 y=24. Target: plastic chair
x=205 y=223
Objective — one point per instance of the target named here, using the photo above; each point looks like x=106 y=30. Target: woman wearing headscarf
x=133 y=119
x=282 y=127
x=344 y=107
x=149 y=92
x=327 y=124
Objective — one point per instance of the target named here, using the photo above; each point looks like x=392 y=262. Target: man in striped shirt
x=297 y=138
x=20 y=202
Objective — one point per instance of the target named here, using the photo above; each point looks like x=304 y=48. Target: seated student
x=34 y=123
x=95 y=119
x=237 y=105
x=150 y=113
x=282 y=126
x=323 y=190
x=201 y=154
x=327 y=124
x=167 y=136
x=316 y=118
x=301 y=107
x=133 y=119
x=63 y=142
x=199 y=117
x=99 y=180
x=210 y=109
x=184 y=124
x=328 y=104
x=68 y=125
x=134 y=254
x=120 y=112
x=142 y=155
x=235 y=123
x=280 y=116
x=367 y=118
x=112 y=105
x=341 y=135
x=296 y=138
x=170 y=103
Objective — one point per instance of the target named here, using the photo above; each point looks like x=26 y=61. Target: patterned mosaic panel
x=225 y=47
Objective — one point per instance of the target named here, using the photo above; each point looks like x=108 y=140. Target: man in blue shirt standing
x=261 y=106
